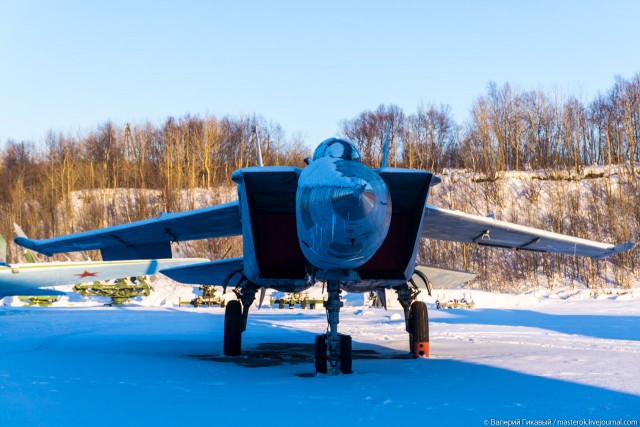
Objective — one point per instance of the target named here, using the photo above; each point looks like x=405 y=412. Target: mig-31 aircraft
x=336 y=221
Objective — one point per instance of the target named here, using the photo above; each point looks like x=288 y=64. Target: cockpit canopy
x=337 y=148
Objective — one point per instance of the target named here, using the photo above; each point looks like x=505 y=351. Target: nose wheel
x=332 y=350
x=345 y=359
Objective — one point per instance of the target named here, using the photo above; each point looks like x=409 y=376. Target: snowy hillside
x=598 y=203
x=563 y=355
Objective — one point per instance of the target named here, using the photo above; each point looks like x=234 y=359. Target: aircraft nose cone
x=343 y=212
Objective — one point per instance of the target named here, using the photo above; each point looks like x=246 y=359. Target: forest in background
x=115 y=174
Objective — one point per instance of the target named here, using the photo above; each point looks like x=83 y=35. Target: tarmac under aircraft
x=336 y=221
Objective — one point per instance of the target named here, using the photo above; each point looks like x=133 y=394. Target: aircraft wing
x=442 y=278
x=219 y=273
x=455 y=226
x=38 y=278
x=146 y=239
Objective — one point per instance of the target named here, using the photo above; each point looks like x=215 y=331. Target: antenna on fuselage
x=256 y=130
x=385 y=147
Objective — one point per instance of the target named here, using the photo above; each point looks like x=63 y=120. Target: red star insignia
x=86 y=274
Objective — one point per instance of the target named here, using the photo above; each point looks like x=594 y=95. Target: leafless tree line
x=156 y=162
x=508 y=130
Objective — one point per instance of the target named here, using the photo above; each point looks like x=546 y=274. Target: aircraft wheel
x=345 y=354
x=321 y=354
x=233 y=328
x=419 y=323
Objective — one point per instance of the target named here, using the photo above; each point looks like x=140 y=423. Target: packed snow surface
x=543 y=356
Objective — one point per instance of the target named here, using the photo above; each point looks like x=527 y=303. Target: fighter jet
x=35 y=278
x=336 y=221
x=44 y=278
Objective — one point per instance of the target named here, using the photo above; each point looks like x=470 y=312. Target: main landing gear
x=235 y=319
x=416 y=321
x=333 y=350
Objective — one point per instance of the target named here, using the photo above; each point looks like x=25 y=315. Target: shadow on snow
x=164 y=362
x=600 y=326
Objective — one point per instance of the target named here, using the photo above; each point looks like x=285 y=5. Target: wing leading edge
x=455 y=226
x=146 y=239
x=151 y=239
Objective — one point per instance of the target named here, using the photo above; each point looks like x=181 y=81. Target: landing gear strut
x=333 y=350
x=235 y=319
x=416 y=321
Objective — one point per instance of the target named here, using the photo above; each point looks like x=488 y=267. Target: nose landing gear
x=333 y=351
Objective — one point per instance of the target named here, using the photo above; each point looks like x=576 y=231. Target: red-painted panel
x=277 y=249
x=392 y=255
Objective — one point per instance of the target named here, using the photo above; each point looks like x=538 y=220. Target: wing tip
x=25 y=242
x=623 y=247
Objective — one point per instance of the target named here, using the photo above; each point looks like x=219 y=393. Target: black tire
x=346 y=358
x=233 y=328
x=419 y=324
x=321 y=354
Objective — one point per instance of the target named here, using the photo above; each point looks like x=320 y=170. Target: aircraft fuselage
x=335 y=219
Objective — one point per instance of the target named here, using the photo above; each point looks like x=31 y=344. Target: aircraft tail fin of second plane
x=29 y=256
x=3 y=250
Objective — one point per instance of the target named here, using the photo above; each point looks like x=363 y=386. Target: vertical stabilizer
x=256 y=130
x=3 y=249
x=29 y=256
x=385 y=147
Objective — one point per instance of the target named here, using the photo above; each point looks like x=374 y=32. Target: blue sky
x=71 y=65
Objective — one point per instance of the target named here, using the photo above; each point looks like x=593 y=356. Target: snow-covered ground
x=563 y=355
